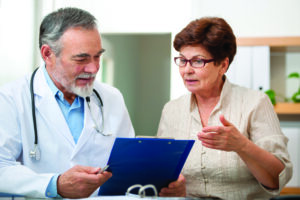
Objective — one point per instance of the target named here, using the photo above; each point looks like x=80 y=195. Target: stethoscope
x=35 y=152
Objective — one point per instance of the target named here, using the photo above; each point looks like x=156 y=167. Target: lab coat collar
x=45 y=103
x=87 y=131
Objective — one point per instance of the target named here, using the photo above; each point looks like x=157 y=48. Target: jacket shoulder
x=16 y=90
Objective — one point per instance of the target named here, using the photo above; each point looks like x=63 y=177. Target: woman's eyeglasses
x=194 y=62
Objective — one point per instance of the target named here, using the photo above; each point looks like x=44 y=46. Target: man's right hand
x=80 y=181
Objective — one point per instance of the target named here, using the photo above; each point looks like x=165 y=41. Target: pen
x=103 y=169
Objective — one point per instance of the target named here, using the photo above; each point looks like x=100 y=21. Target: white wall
x=292 y=131
x=17 y=38
x=135 y=16
x=255 y=17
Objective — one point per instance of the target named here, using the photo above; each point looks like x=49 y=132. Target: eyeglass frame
x=205 y=61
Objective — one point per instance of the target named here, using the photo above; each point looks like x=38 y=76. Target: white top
x=20 y=174
x=222 y=174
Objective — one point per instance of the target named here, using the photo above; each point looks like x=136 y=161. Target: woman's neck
x=210 y=96
x=207 y=102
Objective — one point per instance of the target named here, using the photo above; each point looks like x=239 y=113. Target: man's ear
x=46 y=53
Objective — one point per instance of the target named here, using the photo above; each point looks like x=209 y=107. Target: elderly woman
x=240 y=151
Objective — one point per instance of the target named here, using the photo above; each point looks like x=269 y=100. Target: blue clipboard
x=144 y=161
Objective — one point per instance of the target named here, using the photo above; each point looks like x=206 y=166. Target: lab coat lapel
x=90 y=141
x=48 y=108
x=88 y=128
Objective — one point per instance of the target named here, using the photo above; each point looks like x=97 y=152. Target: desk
x=145 y=198
x=110 y=198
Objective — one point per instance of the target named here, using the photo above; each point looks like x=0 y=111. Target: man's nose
x=92 y=67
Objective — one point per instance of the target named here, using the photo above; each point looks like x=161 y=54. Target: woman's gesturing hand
x=226 y=137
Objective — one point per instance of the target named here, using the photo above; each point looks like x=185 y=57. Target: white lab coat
x=20 y=174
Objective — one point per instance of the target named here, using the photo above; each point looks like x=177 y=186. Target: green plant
x=296 y=96
x=272 y=95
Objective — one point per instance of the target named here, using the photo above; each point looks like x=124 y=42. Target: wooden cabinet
x=287 y=108
x=290 y=190
x=281 y=49
x=269 y=41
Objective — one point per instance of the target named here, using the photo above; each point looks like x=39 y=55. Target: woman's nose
x=188 y=68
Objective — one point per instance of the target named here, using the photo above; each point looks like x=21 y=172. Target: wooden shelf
x=290 y=190
x=287 y=108
x=268 y=41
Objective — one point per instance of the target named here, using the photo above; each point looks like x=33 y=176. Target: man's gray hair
x=56 y=23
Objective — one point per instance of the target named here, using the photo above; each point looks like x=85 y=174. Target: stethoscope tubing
x=33 y=107
x=33 y=152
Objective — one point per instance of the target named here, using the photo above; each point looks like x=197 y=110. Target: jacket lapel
x=89 y=126
x=47 y=107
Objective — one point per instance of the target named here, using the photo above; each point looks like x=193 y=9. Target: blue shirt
x=74 y=116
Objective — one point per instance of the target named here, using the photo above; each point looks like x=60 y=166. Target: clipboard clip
x=142 y=190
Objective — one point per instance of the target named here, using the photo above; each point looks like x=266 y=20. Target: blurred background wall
x=138 y=35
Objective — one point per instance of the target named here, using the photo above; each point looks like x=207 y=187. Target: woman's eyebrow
x=193 y=56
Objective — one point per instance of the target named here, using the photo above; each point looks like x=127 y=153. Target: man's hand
x=175 y=189
x=80 y=181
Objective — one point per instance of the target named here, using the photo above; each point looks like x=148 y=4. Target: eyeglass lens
x=182 y=62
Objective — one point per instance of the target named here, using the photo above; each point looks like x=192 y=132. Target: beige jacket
x=216 y=173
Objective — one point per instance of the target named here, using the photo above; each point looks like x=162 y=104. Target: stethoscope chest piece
x=35 y=153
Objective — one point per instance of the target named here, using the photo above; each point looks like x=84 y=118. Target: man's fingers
x=104 y=176
x=86 y=169
x=80 y=181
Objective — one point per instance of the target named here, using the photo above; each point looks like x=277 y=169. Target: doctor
x=75 y=126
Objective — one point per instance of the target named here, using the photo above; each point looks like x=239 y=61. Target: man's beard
x=84 y=91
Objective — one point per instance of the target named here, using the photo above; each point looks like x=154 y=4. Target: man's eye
x=81 y=60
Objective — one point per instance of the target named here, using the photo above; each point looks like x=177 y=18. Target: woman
x=240 y=151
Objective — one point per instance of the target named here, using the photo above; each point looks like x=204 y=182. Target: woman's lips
x=190 y=81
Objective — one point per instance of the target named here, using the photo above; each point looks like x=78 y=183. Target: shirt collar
x=50 y=83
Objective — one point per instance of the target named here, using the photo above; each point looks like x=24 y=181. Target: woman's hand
x=175 y=189
x=262 y=164
x=225 y=137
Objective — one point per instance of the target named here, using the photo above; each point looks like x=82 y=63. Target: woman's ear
x=224 y=65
